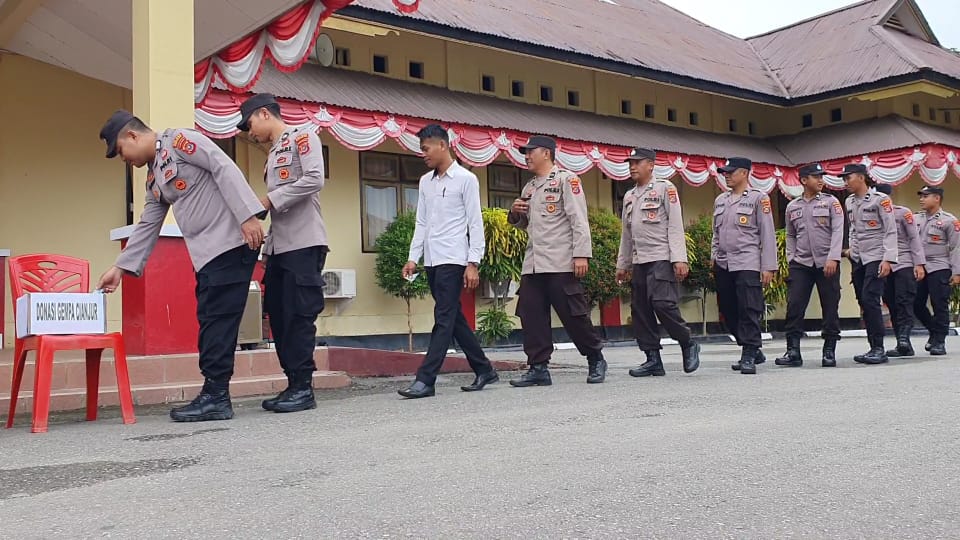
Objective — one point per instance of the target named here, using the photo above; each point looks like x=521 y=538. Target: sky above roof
x=745 y=18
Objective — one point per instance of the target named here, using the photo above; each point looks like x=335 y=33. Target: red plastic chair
x=57 y=273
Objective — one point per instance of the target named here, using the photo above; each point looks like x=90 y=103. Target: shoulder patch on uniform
x=575 y=185
x=185 y=145
x=303 y=143
x=765 y=204
x=956 y=225
x=672 y=195
x=908 y=217
x=837 y=208
x=887 y=205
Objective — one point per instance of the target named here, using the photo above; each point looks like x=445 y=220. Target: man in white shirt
x=449 y=236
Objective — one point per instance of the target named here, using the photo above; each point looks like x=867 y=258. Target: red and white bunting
x=219 y=114
x=286 y=42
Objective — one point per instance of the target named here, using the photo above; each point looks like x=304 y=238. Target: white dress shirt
x=449 y=224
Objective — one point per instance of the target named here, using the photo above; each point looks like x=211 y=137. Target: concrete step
x=150 y=394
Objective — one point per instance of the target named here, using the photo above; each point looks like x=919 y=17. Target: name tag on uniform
x=796 y=214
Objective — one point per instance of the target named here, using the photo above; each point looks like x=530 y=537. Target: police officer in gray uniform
x=814 y=243
x=553 y=210
x=296 y=246
x=653 y=254
x=216 y=211
x=940 y=236
x=873 y=252
x=900 y=289
x=744 y=258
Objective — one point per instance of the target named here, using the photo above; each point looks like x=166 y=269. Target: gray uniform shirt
x=814 y=230
x=209 y=195
x=652 y=226
x=556 y=223
x=873 y=229
x=743 y=233
x=940 y=236
x=294 y=176
x=909 y=248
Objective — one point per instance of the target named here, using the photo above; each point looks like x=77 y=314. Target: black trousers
x=222 y=286
x=936 y=287
x=446 y=283
x=293 y=298
x=655 y=295
x=800 y=284
x=562 y=291
x=870 y=291
x=899 y=294
x=740 y=299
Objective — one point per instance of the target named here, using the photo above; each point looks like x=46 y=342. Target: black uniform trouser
x=899 y=294
x=740 y=299
x=656 y=296
x=446 y=283
x=293 y=298
x=870 y=291
x=563 y=291
x=800 y=284
x=222 y=287
x=936 y=287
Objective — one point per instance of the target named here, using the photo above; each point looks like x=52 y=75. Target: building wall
x=59 y=194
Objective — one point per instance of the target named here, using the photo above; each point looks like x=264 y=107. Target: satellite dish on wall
x=324 y=50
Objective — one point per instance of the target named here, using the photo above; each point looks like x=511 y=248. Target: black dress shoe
x=758 y=359
x=298 y=398
x=213 y=403
x=417 y=390
x=482 y=380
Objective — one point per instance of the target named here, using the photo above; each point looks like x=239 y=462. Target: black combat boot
x=537 y=375
x=213 y=403
x=691 y=356
x=269 y=404
x=298 y=396
x=653 y=367
x=748 y=364
x=829 y=353
x=792 y=357
x=938 y=345
x=876 y=355
x=598 y=369
x=758 y=359
x=904 y=348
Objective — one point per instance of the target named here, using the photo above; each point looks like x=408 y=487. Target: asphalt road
x=851 y=452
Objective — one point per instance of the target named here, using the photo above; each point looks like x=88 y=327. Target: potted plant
x=393 y=248
x=502 y=264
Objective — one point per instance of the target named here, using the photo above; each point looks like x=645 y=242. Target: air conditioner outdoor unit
x=486 y=289
x=339 y=283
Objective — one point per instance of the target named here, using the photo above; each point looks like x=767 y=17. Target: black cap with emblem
x=854 y=168
x=539 y=141
x=735 y=163
x=931 y=190
x=641 y=154
x=112 y=128
x=257 y=101
x=813 y=169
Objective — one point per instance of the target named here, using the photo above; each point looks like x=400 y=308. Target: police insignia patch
x=180 y=185
x=908 y=217
x=956 y=225
x=651 y=215
x=887 y=205
x=551 y=208
x=281 y=160
x=575 y=185
x=672 y=195
x=765 y=204
x=837 y=208
x=744 y=220
x=164 y=154
x=872 y=223
x=284 y=173
x=184 y=144
x=168 y=175
x=303 y=143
